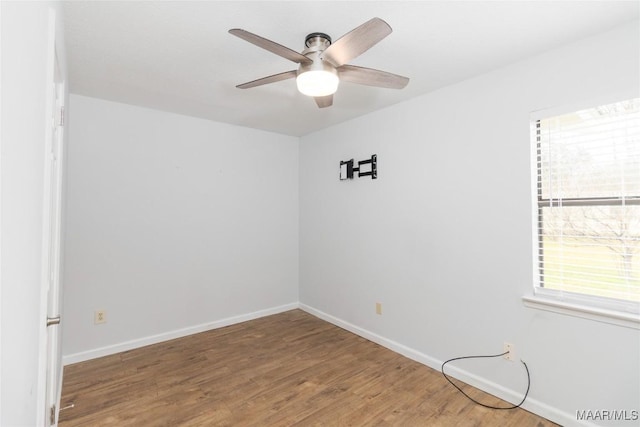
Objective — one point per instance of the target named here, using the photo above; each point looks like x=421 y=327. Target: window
x=587 y=217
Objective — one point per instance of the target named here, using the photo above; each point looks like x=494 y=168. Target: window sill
x=628 y=320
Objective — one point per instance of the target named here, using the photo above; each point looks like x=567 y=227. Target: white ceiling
x=178 y=56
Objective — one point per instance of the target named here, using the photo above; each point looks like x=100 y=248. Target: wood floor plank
x=289 y=369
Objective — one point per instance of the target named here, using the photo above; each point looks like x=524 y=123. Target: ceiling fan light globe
x=317 y=83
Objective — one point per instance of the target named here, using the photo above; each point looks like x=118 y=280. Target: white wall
x=443 y=238
x=173 y=224
x=24 y=77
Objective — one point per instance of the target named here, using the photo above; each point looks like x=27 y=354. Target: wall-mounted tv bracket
x=347 y=169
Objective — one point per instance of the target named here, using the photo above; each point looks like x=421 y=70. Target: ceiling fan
x=323 y=63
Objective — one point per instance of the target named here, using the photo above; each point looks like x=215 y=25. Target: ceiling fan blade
x=270 y=79
x=324 y=101
x=371 y=77
x=272 y=47
x=356 y=42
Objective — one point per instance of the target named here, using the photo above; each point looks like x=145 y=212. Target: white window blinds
x=588 y=204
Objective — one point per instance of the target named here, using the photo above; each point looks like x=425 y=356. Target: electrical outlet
x=100 y=316
x=378 y=308
x=510 y=351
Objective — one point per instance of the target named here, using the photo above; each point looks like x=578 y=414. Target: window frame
x=618 y=312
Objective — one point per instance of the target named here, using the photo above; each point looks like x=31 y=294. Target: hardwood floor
x=289 y=369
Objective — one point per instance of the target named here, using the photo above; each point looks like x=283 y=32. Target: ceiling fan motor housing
x=318 y=63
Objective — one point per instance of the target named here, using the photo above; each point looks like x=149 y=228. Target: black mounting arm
x=347 y=170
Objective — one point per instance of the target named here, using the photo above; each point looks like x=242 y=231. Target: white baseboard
x=178 y=333
x=531 y=405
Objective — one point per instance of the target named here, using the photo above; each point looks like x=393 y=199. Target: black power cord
x=482 y=404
